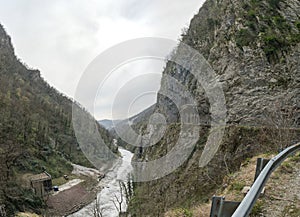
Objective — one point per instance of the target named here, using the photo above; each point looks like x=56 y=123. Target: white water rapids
x=111 y=189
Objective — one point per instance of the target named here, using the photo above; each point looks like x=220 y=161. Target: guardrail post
x=245 y=207
x=222 y=208
x=260 y=165
x=215 y=206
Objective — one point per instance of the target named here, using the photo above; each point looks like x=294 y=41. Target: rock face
x=253 y=47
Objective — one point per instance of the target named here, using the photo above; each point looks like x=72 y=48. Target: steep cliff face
x=253 y=47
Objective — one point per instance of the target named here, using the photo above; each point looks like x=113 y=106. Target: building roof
x=40 y=177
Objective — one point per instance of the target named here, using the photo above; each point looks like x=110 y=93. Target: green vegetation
x=281 y=23
x=237 y=186
x=275 y=33
x=286 y=167
x=18 y=198
x=182 y=212
x=297 y=24
x=274 y=3
x=61 y=180
x=257 y=208
x=212 y=23
x=254 y=2
x=295 y=158
x=266 y=29
x=291 y=211
x=281 y=81
x=244 y=37
x=272 y=45
x=36 y=133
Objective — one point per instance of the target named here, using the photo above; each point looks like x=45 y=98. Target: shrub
x=251 y=15
x=237 y=186
x=251 y=24
x=244 y=37
x=272 y=45
x=255 y=2
x=295 y=158
x=257 y=208
x=281 y=23
x=274 y=3
x=297 y=24
x=291 y=211
x=17 y=198
x=183 y=212
x=286 y=167
x=246 y=6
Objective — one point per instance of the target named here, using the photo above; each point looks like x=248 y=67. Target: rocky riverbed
x=110 y=189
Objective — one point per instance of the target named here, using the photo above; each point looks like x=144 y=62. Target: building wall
x=38 y=188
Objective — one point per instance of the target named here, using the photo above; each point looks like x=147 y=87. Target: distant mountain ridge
x=108 y=124
x=140 y=117
x=135 y=122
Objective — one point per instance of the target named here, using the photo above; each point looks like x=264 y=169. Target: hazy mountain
x=138 y=118
x=108 y=124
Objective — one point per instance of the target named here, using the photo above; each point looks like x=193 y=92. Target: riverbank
x=76 y=193
x=76 y=197
x=110 y=189
x=70 y=200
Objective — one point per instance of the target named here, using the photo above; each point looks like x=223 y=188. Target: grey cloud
x=61 y=38
x=135 y=9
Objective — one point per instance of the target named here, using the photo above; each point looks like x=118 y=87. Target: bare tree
x=9 y=154
x=118 y=201
x=127 y=188
x=97 y=209
x=125 y=192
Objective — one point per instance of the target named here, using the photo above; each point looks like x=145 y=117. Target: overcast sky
x=61 y=38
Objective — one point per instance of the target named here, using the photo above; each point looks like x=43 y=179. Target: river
x=111 y=189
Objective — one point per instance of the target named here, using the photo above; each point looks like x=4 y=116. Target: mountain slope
x=253 y=47
x=136 y=119
x=36 y=132
x=135 y=122
x=107 y=124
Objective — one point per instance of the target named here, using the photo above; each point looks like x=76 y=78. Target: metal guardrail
x=248 y=202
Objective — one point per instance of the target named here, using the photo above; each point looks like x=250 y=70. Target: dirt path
x=68 y=185
x=282 y=197
x=282 y=191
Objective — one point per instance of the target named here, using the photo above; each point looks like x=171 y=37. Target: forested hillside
x=36 y=133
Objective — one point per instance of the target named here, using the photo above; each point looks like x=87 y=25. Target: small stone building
x=41 y=183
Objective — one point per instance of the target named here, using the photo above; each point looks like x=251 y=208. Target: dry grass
x=61 y=180
x=26 y=214
x=282 y=197
x=231 y=188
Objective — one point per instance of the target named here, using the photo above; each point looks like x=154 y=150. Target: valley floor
x=79 y=191
x=69 y=201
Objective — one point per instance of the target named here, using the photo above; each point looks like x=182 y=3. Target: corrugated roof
x=40 y=177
